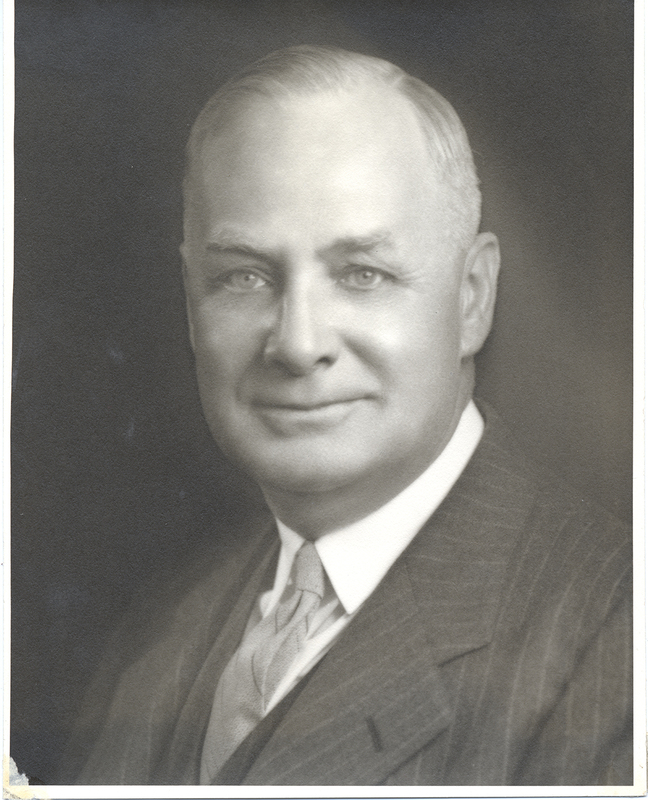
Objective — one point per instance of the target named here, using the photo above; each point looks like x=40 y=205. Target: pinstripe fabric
x=496 y=651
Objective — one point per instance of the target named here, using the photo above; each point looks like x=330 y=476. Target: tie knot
x=308 y=570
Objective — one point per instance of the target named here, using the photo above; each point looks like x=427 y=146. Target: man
x=433 y=610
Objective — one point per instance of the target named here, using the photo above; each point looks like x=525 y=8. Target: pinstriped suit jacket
x=497 y=651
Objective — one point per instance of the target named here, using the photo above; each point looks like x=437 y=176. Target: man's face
x=324 y=299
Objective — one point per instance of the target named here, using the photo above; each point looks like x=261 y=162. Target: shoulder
x=545 y=495
x=537 y=550
x=208 y=577
x=168 y=624
x=571 y=564
x=557 y=618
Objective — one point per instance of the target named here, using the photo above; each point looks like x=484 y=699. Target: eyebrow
x=231 y=242
x=361 y=244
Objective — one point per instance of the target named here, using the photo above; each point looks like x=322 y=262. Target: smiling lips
x=314 y=406
x=322 y=413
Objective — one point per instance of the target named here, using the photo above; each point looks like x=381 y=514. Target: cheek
x=420 y=347
x=225 y=343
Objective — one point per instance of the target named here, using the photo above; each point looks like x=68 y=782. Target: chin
x=302 y=473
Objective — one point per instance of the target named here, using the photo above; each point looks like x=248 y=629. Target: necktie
x=253 y=673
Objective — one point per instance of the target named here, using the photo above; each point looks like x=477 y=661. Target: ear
x=478 y=291
x=185 y=282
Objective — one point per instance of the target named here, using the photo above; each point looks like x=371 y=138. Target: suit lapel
x=371 y=701
x=379 y=695
x=182 y=763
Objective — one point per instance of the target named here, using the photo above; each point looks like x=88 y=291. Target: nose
x=302 y=337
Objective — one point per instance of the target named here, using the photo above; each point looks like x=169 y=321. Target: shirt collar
x=357 y=557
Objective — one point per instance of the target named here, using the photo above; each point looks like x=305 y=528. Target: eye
x=363 y=278
x=244 y=280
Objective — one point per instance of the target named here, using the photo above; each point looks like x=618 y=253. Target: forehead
x=343 y=162
x=370 y=127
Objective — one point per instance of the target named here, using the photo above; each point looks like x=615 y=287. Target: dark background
x=115 y=478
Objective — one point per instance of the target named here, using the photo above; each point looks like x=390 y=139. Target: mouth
x=305 y=407
x=317 y=415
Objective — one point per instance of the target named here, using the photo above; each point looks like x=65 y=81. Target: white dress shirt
x=357 y=557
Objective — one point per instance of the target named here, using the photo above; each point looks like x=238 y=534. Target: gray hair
x=308 y=69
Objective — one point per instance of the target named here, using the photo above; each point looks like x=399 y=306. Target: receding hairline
x=309 y=70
